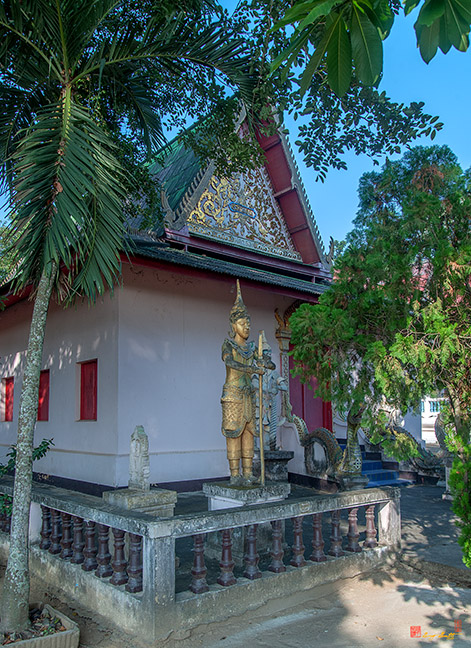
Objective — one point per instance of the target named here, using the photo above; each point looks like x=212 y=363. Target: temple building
x=149 y=354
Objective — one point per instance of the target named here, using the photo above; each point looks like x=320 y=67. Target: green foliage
x=344 y=38
x=6 y=261
x=81 y=83
x=396 y=323
x=459 y=480
x=9 y=468
x=426 y=199
x=364 y=120
x=395 y=443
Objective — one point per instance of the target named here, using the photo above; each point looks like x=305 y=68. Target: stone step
x=369 y=466
x=381 y=475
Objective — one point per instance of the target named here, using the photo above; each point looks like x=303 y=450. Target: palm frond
x=63 y=164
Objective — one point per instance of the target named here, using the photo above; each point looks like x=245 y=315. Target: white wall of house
x=83 y=450
x=158 y=345
x=172 y=327
x=430 y=409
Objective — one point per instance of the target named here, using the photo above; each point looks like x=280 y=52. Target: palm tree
x=76 y=76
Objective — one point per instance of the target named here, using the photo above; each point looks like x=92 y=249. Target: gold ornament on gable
x=242 y=211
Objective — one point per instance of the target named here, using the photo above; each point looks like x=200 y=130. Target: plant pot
x=68 y=638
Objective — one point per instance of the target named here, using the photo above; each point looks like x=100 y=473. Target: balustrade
x=318 y=554
x=83 y=541
x=86 y=543
x=78 y=541
x=226 y=576
x=103 y=556
x=66 y=539
x=198 y=573
x=298 y=547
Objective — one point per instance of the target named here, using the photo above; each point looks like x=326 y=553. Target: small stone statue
x=238 y=394
x=139 y=466
x=273 y=384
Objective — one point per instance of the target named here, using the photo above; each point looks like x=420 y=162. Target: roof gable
x=265 y=210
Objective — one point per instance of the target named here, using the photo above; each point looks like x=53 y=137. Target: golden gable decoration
x=243 y=212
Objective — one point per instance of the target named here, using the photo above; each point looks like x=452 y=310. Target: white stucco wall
x=158 y=344
x=172 y=327
x=83 y=450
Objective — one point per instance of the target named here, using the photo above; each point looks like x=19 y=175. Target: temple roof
x=265 y=210
x=175 y=167
x=291 y=277
x=256 y=225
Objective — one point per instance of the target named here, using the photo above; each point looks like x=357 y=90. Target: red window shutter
x=43 y=404
x=9 y=387
x=88 y=391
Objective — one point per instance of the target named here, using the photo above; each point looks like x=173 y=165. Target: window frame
x=8 y=398
x=88 y=398
x=43 y=393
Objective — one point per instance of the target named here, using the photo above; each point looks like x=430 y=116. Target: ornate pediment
x=242 y=211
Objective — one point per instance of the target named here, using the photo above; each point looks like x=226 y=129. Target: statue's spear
x=260 y=412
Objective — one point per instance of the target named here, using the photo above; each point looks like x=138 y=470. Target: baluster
x=55 y=547
x=276 y=553
x=226 y=577
x=90 y=550
x=318 y=554
x=370 y=539
x=119 y=564
x=134 y=583
x=298 y=547
x=198 y=573
x=353 y=533
x=45 y=528
x=66 y=541
x=78 y=543
x=103 y=556
x=251 y=556
x=336 y=537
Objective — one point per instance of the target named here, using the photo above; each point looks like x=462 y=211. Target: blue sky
x=445 y=87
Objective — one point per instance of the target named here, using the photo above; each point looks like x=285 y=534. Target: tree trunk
x=15 y=598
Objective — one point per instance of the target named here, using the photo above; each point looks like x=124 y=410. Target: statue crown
x=238 y=311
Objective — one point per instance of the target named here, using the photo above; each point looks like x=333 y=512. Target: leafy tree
x=337 y=340
x=343 y=39
x=80 y=79
x=432 y=351
x=5 y=257
x=363 y=120
x=396 y=324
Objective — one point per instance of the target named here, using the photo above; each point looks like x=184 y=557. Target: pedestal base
x=156 y=501
x=276 y=465
x=223 y=496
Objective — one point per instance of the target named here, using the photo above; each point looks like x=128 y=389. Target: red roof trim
x=287 y=195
